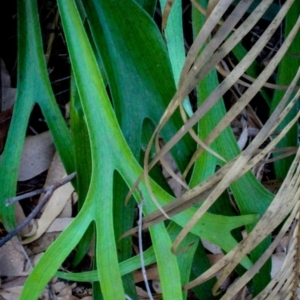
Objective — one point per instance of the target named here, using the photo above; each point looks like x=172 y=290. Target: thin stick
x=25 y=253
x=140 y=224
x=25 y=196
x=48 y=193
x=40 y=191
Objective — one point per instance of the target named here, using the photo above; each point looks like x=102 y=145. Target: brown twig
x=48 y=193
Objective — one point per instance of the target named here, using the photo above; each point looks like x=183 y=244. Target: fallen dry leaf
x=13 y=281
x=13 y=262
x=14 y=293
x=20 y=216
x=37 y=155
x=12 y=259
x=152 y=274
x=42 y=244
x=8 y=93
x=156 y=286
x=59 y=224
x=141 y=293
x=56 y=203
x=277 y=262
x=64 y=291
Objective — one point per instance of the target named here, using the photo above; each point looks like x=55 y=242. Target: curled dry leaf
x=59 y=224
x=56 y=203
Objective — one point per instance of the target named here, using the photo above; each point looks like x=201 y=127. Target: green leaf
x=106 y=142
x=33 y=87
x=148 y=5
x=138 y=69
x=284 y=77
x=175 y=44
x=82 y=151
x=140 y=85
x=110 y=153
x=126 y=267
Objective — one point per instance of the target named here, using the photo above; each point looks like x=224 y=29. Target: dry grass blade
x=190 y=78
x=202 y=66
x=237 y=168
x=203 y=36
x=171 y=209
x=189 y=82
x=285 y=283
x=255 y=87
x=168 y=168
x=276 y=213
x=204 y=189
x=242 y=163
x=196 y=71
x=286 y=153
x=196 y=67
x=236 y=286
x=166 y=13
x=249 y=94
x=269 y=85
x=232 y=41
x=178 y=97
x=203 y=11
